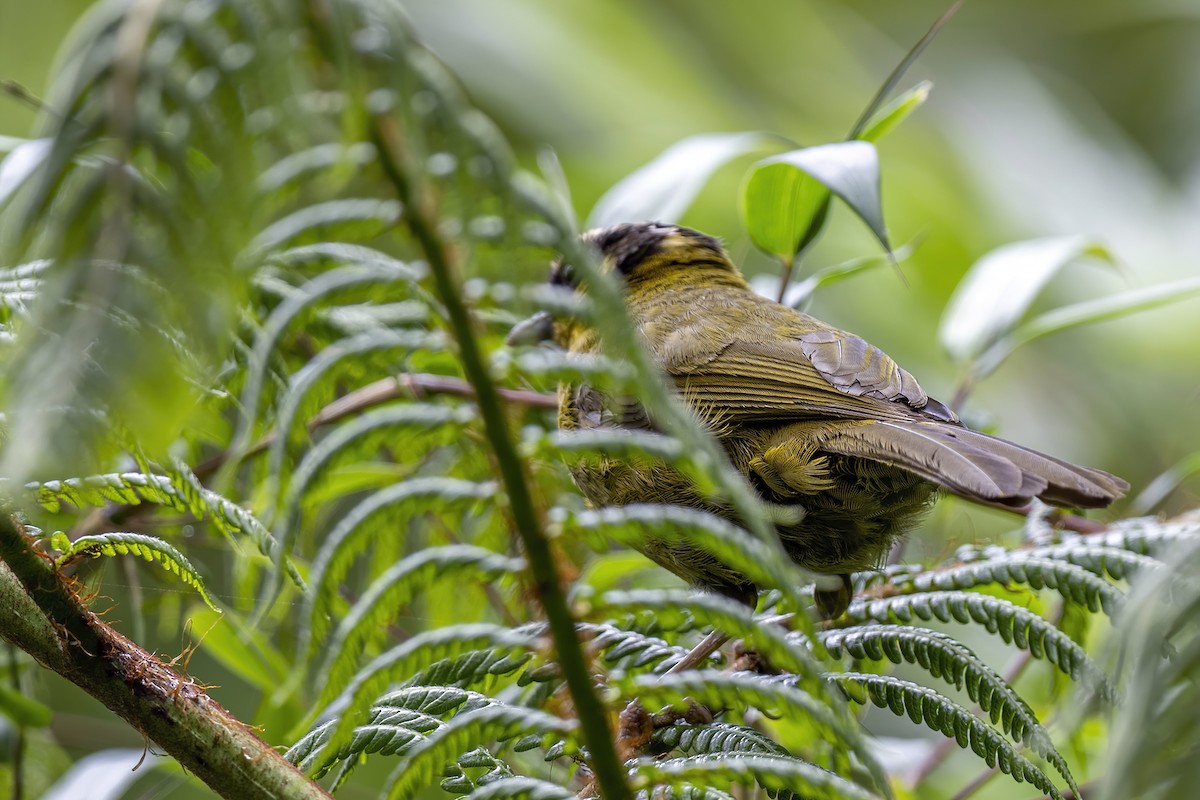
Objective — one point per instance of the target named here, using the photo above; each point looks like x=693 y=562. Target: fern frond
x=414 y=424
x=127 y=488
x=395 y=589
x=1073 y=582
x=925 y=706
x=369 y=268
x=738 y=690
x=349 y=538
x=459 y=781
x=796 y=778
x=1015 y=625
x=344 y=219
x=495 y=723
x=671 y=608
x=731 y=545
x=521 y=788
x=946 y=657
x=393 y=724
x=150 y=548
x=714 y=738
x=405 y=660
x=351 y=355
x=1114 y=562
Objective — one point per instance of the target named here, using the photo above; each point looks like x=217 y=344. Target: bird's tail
x=968 y=463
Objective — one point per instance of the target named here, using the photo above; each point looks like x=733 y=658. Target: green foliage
x=323 y=201
x=137 y=544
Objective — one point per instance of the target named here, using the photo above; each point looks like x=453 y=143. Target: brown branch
x=381 y=391
x=41 y=614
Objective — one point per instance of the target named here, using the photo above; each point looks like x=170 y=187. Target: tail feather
x=972 y=464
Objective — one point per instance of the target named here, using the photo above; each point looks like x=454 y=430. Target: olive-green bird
x=843 y=446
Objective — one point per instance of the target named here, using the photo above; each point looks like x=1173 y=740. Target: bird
x=842 y=446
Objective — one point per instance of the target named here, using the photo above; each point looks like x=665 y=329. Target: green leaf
x=663 y=189
x=925 y=706
x=20 y=163
x=150 y=548
x=1157 y=490
x=800 y=294
x=785 y=198
x=1104 y=308
x=998 y=289
x=23 y=710
x=895 y=112
x=240 y=648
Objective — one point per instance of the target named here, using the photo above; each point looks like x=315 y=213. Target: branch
x=381 y=391
x=41 y=614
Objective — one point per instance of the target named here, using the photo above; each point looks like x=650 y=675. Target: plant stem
x=418 y=215
x=40 y=614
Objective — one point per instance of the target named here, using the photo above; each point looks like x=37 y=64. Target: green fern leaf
x=776 y=774
x=350 y=536
x=149 y=548
x=395 y=589
x=1015 y=625
x=945 y=657
x=466 y=731
x=925 y=706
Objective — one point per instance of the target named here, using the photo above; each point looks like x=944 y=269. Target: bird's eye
x=563 y=275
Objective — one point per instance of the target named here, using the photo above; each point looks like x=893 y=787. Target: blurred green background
x=1046 y=118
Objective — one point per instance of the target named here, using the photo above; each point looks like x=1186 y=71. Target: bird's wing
x=821 y=374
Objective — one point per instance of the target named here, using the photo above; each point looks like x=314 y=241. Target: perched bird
x=843 y=446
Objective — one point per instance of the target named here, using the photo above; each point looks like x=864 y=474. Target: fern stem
x=526 y=519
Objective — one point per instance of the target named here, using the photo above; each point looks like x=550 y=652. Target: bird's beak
x=538 y=328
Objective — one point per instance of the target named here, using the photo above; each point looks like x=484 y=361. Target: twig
x=381 y=391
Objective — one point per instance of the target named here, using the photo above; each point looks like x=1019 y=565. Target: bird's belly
x=847 y=527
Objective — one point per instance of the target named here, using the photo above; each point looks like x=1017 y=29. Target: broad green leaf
x=23 y=710
x=998 y=289
x=1086 y=313
x=785 y=197
x=895 y=112
x=663 y=189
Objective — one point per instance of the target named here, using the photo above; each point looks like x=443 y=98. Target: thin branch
x=381 y=391
x=593 y=721
x=40 y=613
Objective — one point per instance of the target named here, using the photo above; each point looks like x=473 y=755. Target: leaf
x=21 y=162
x=999 y=288
x=23 y=710
x=150 y=548
x=1104 y=308
x=785 y=198
x=799 y=295
x=887 y=118
x=1158 y=489
x=663 y=189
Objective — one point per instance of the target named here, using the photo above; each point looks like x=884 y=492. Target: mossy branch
x=41 y=614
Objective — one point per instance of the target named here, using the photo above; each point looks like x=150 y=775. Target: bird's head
x=638 y=252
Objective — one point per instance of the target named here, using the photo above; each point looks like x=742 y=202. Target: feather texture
x=818 y=419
